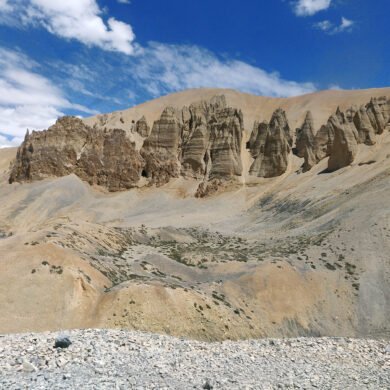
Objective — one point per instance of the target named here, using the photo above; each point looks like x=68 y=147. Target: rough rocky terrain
x=195 y=249
x=203 y=141
x=99 y=359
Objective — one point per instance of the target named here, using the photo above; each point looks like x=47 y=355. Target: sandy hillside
x=300 y=254
x=322 y=104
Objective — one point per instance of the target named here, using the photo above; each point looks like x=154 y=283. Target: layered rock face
x=142 y=128
x=202 y=141
x=339 y=137
x=160 y=150
x=105 y=158
x=305 y=142
x=345 y=143
x=212 y=139
x=363 y=124
x=270 y=146
x=378 y=111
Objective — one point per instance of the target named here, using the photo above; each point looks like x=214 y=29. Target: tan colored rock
x=53 y=152
x=272 y=147
x=212 y=139
x=105 y=158
x=206 y=189
x=226 y=137
x=364 y=127
x=378 y=112
x=160 y=150
x=142 y=128
x=305 y=143
x=110 y=161
x=195 y=157
x=345 y=144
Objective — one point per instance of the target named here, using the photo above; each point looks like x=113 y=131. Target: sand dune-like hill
x=322 y=104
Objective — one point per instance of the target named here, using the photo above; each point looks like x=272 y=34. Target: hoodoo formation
x=202 y=141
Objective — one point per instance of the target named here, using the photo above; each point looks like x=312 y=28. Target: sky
x=83 y=57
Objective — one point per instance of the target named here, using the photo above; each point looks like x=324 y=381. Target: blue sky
x=82 y=57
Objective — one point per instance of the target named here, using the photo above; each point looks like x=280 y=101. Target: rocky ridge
x=202 y=141
x=100 y=157
x=338 y=139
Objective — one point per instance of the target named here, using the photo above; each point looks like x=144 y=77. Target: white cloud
x=30 y=100
x=325 y=25
x=27 y=99
x=167 y=68
x=5 y=6
x=6 y=143
x=345 y=25
x=310 y=7
x=74 y=19
x=124 y=1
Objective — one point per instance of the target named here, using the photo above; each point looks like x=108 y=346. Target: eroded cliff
x=202 y=141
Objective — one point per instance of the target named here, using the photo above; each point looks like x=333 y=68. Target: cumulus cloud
x=167 y=68
x=310 y=7
x=73 y=19
x=27 y=99
x=345 y=25
x=7 y=142
x=161 y=68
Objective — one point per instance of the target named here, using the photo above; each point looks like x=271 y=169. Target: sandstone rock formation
x=364 y=126
x=378 y=111
x=212 y=139
x=201 y=141
x=105 y=158
x=345 y=143
x=270 y=146
x=305 y=143
x=339 y=137
x=142 y=128
x=160 y=150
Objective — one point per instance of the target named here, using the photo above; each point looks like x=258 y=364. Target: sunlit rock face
x=202 y=141
x=104 y=158
x=270 y=146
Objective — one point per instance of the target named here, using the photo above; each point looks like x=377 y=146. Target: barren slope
x=322 y=104
x=294 y=255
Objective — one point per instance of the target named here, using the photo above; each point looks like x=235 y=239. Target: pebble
x=62 y=342
x=119 y=359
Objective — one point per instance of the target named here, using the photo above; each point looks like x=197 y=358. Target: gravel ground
x=114 y=359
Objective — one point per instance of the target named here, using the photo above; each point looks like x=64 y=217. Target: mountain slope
x=298 y=254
